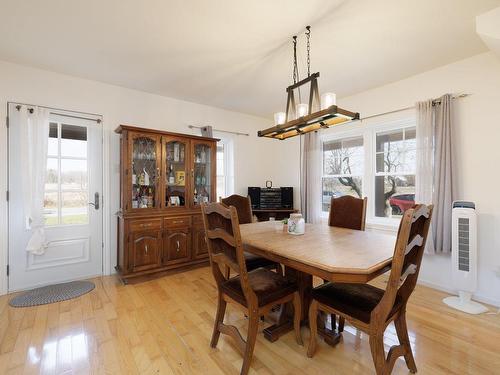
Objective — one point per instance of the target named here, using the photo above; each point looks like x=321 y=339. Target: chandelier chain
x=295 y=67
x=308 y=36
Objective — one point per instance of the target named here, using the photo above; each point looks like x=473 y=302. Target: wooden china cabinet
x=164 y=177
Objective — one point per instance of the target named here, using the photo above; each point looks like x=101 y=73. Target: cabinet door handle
x=146 y=249
x=178 y=246
x=146 y=225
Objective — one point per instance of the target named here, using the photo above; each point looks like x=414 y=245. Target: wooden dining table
x=330 y=253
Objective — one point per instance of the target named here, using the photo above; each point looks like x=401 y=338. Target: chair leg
x=219 y=318
x=402 y=331
x=279 y=269
x=333 y=321
x=378 y=353
x=341 y=324
x=228 y=272
x=313 y=327
x=253 y=326
x=296 y=317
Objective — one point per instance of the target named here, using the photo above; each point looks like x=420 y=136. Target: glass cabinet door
x=145 y=171
x=202 y=176
x=176 y=154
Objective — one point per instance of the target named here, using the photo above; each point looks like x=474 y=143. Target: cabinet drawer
x=146 y=224
x=176 y=222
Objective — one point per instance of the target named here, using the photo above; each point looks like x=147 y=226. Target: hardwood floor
x=163 y=326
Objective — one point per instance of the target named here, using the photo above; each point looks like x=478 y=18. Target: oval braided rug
x=52 y=293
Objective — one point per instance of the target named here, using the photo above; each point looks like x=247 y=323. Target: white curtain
x=34 y=131
x=425 y=160
x=435 y=168
x=310 y=178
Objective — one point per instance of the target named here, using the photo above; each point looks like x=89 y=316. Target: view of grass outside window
x=395 y=159
x=343 y=168
x=66 y=184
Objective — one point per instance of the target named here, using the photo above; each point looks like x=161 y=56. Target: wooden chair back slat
x=408 y=253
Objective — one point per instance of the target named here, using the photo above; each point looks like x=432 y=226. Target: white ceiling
x=236 y=54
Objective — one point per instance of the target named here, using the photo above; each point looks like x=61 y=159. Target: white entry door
x=72 y=205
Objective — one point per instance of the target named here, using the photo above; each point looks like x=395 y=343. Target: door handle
x=178 y=246
x=95 y=203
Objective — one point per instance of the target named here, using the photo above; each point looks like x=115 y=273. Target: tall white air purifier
x=464 y=258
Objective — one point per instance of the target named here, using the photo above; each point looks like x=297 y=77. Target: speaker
x=287 y=197
x=254 y=194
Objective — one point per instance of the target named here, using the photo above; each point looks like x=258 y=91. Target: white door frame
x=107 y=268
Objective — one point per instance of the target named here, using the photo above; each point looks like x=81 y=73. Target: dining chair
x=257 y=291
x=371 y=309
x=243 y=207
x=346 y=212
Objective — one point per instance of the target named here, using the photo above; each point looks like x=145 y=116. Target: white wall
x=256 y=159
x=477 y=130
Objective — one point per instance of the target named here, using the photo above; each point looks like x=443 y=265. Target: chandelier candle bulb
x=279 y=118
x=302 y=110
x=328 y=99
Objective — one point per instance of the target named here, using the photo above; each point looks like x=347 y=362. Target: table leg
x=305 y=284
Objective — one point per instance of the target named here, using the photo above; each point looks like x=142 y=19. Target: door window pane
x=53 y=144
x=73 y=174
x=73 y=141
x=52 y=176
x=50 y=208
x=74 y=207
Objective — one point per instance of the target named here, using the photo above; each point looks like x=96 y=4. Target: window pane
x=390 y=140
x=52 y=145
x=74 y=208
x=51 y=178
x=50 y=208
x=396 y=151
x=338 y=186
x=221 y=191
x=73 y=141
x=343 y=157
x=394 y=195
x=73 y=174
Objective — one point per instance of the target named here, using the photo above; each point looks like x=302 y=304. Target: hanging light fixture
x=301 y=118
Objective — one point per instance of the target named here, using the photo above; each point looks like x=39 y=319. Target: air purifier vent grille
x=463 y=244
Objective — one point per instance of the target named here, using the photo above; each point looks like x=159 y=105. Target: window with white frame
x=377 y=161
x=225 y=167
x=221 y=175
x=343 y=168
x=395 y=164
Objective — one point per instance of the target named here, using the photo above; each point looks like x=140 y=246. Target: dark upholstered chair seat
x=268 y=286
x=254 y=261
x=356 y=300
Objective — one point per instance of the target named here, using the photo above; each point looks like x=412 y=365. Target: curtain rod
x=60 y=112
x=434 y=101
x=218 y=130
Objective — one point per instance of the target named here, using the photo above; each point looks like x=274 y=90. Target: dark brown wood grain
x=175 y=235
